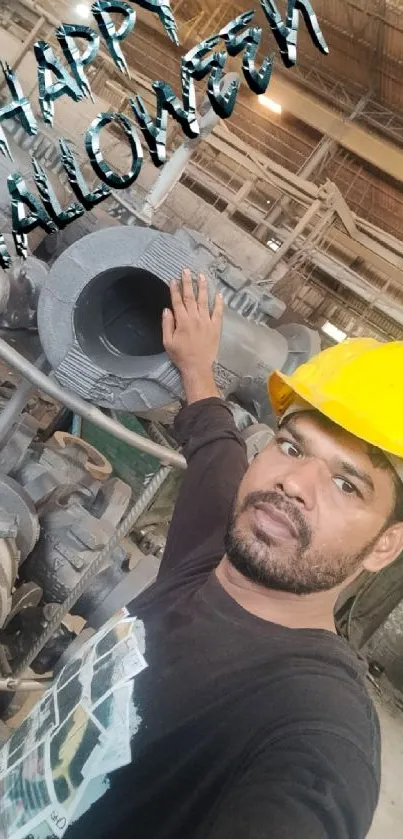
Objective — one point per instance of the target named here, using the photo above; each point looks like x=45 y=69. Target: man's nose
x=301 y=481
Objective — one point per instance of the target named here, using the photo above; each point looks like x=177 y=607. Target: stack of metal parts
x=60 y=507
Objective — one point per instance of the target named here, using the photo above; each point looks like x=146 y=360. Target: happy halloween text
x=55 y=80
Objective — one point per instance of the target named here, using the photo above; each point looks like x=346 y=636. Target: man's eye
x=288 y=448
x=345 y=486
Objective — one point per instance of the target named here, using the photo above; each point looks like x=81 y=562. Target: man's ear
x=386 y=550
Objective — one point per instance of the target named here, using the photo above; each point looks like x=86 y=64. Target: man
x=249 y=717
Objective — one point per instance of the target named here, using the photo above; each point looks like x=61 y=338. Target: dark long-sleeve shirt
x=239 y=728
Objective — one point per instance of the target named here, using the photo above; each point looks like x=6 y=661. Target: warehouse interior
x=292 y=206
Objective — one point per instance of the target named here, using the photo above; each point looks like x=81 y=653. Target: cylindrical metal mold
x=99 y=319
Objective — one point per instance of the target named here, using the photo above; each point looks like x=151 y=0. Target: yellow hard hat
x=358 y=384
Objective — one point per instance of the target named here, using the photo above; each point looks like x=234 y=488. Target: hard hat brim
x=281 y=392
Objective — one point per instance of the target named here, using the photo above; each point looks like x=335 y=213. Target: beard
x=293 y=566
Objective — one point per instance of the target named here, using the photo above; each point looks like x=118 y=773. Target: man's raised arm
x=212 y=445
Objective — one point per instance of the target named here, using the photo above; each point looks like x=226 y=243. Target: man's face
x=310 y=508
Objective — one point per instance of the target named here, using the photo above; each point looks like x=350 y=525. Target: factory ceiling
x=341 y=121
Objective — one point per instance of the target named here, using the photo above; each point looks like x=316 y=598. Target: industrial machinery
x=99 y=321
x=96 y=306
x=60 y=507
x=87 y=309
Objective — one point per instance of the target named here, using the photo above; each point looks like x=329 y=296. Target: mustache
x=280 y=503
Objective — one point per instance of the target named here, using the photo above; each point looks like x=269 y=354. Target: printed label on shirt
x=56 y=765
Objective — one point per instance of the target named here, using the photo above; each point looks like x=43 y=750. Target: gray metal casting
x=64 y=462
x=76 y=523
x=250 y=301
x=85 y=409
x=13 y=408
x=18 y=505
x=99 y=320
x=130 y=586
x=54 y=244
x=257 y=437
x=15 y=443
x=60 y=507
x=80 y=506
x=19 y=292
x=94 y=567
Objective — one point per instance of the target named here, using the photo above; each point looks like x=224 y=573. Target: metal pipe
x=16 y=404
x=86 y=410
x=94 y=567
x=154 y=432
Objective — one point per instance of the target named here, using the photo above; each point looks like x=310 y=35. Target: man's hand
x=191 y=336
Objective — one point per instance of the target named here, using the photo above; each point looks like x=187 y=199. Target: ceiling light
x=273 y=244
x=334 y=332
x=83 y=10
x=270 y=104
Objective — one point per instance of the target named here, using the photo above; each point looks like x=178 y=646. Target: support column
x=293 y=235
x=327 y=147
x=242 y=193
x=324 y=151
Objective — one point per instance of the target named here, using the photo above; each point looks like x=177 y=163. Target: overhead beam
x=368 y=254
x=379 y=152
x=384 y=259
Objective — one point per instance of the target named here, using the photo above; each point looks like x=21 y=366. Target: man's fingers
x=176 y=297
x=216 y=317
x=168 y=328
x=184 y=302
x=187 y=291
x=202 y=298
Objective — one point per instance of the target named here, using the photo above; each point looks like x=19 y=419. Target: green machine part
x=129 y=464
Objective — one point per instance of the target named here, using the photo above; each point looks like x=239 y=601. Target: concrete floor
x=388 y=821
